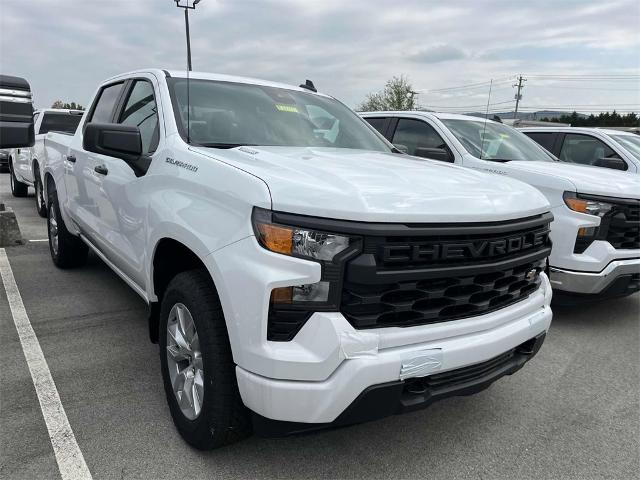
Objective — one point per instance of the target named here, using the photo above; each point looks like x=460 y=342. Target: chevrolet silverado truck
x=600 y=147
x=300 y=273
x=25 y=166
x=596 y=227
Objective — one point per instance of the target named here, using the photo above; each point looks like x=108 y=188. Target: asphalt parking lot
x=573 y=412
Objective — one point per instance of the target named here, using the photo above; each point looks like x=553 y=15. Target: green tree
x=397 y=94
x=603 y=119
x=68 y=106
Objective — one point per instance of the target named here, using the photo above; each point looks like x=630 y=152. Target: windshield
x=630 y=142
x=226 y=115
x=501 y=143
x=60 y=122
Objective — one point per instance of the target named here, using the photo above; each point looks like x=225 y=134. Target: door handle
x=101 y=169
x=71 y=158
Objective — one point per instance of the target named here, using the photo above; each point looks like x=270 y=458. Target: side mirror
x=401 y=148
x=614 y=163
x=16 y=113
x=441 y=154
x=119 y=141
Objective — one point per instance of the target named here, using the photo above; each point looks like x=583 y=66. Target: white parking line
x=68 y=455
x=40 y=240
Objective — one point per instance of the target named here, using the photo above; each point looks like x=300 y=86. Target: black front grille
x=438 y=300
x=620 y=227
x=624 y=227
x=443 y=274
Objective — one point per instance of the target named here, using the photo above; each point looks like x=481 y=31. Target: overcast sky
x=347 y=47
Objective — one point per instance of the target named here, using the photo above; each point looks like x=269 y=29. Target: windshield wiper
x=226 y=145
x=501 y=160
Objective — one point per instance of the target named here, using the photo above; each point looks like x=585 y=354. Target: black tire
x=223 y=418
x=41 y=204
x=18 y=189
x=70 y=251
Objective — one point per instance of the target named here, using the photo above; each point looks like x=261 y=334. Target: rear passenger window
x=544 y=139
x=59 y=122
x=416 y=134
x=141 y=111
x=106 y=103
x=377 y=123
x=584 y=149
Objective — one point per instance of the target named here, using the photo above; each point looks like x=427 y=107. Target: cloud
x=437 y=54
x=347 y=48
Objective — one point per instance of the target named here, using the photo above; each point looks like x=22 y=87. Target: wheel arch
x=170 y=257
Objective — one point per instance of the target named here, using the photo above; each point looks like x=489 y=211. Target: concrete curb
x=9 y=230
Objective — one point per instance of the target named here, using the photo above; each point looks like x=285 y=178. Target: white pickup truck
x=300 y=272
x=601 y=147
x=25 y=165
x=596 y=227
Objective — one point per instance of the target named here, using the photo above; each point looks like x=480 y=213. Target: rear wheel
x=197 y=367
x=67 y=250
x=41 y=205
x=18 y=189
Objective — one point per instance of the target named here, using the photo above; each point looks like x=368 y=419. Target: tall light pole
x=187 y=5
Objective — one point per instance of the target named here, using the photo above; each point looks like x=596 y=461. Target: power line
x=468 y=106
x=471 y=85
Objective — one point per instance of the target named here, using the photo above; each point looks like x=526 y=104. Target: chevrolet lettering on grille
x=478 y=249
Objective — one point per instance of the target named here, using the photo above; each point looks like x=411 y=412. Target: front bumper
x=394 y=355
x=315 y=377
x=401 y=396
x=618 y=278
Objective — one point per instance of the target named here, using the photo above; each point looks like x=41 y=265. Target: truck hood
x=585 y=179
x=385 y=187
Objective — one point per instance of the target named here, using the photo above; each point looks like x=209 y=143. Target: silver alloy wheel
x=53 y=229
x=184 y=361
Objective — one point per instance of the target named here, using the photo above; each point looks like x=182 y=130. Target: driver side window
x=584 y=149
x=417 y=135
x=141 y=111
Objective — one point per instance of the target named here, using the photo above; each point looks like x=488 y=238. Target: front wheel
x=197 y=366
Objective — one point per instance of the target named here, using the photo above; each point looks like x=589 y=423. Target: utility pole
x=518 y=95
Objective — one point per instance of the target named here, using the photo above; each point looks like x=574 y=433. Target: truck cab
x=600 y=147
x=596 y=233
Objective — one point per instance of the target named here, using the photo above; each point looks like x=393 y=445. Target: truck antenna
x=484 y=127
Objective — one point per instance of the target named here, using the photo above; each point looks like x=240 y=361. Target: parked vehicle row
x=599 y=147
x=596 y=227
x=306 y=269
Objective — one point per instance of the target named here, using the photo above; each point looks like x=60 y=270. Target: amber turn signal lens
x=277 y=239
x=577 y=204
x=282 y=295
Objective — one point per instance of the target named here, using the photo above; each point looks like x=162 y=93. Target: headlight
x=328 y=249
x=300 y=242
x=586 y=205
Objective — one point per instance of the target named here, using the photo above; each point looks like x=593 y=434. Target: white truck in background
x=25 y=163
x=599 y=147
x=300 y=272
x=596 y=227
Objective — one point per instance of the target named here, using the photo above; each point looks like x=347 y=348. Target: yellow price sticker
x=287 y=108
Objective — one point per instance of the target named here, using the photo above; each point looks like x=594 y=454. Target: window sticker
x=286 y=108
